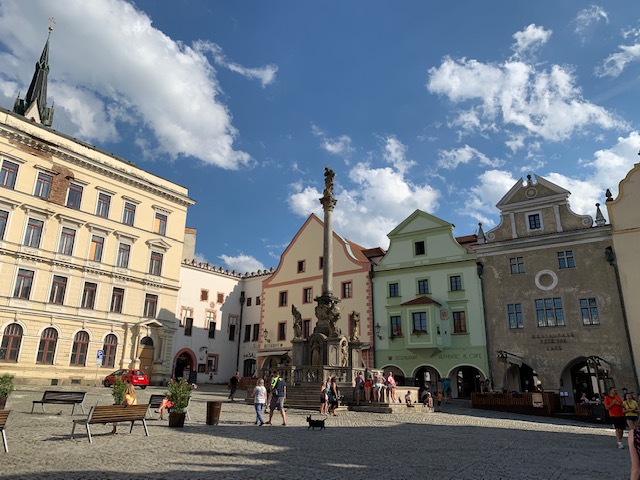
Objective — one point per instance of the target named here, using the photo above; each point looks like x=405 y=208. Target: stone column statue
x=297 y=322
x=355 y=322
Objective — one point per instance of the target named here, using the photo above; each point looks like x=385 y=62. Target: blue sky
x=440 y=106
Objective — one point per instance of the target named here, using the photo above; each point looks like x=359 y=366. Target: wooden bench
x=61 y=398
x=113 y=414
x=4 y=414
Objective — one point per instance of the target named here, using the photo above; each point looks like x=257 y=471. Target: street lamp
x=265 y=332
x=378 y=327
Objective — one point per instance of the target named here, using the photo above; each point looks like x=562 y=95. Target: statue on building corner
x=297 y=322
x=355 y=324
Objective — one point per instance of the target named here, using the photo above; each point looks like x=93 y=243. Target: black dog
x=315 y=423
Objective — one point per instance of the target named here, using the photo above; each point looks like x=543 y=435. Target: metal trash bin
x=213 y=412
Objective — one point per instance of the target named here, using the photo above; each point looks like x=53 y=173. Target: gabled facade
x=624 y=216
x=298 y=281
x=552 y=308
x=428 y=308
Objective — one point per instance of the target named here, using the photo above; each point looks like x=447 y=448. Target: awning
x=511 y=357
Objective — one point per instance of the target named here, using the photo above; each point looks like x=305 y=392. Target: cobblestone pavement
x=460 y=443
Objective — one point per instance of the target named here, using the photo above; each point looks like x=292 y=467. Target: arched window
x=147 y=341
x=79 y=350
x=110 y=347
x=11 y=341
x=47 y=347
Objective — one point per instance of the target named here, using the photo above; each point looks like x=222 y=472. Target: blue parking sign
x=100 y=354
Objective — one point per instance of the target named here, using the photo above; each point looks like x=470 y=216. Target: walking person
x=278 y=396
x=259 y=400
x=324 y=398
x=630 y=409
x=334 y=396
x=613 y=405
x=233 y=385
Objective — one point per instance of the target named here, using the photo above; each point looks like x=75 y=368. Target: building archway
x=398 y=375
x=184 y=363
x=426 y=377
x=591 y=375
x=276 y=363
x=146 y=355
x=463 y=381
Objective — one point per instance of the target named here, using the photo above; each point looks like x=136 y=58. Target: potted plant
x=179 y=395
x=6 y=387
x=118 y=390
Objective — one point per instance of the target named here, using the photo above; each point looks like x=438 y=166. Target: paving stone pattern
x=459 y=443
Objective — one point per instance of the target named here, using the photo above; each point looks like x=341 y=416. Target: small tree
x=6 y=385
x=179 y=394
x=118 y=390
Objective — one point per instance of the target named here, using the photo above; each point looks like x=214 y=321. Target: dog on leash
x=313 y=424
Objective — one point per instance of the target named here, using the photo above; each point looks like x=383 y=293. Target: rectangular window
x=4 y=219
x=74 y=196
x=212 y=330
x=155 y=264
x=67 y=238
x=129 y=213
x=256 y=332
x=104 y=202
x=423 y=287
x=455 y=283
x=122 y=259
x=89 y=295
x=232 y=332
x=8 y=174
x=549 y=312
x=96 y=248
x=33 y=233
x=419 y=322
x=282 y=299
x=565 y=259
x=160 y=224
x=347 y=290
x=394 y=290
x=247 y=333
x=301 y=266
x=516 y=265
x=306 y=328
x=204 y=295
x=321 y=263
x=58 y=288
x=589 y=311
x=534 y=222
x=396 y=325
x=248 y=301
x=188 y=326
x=211 y=322
x=117 y=300
x=151 y=305
x=257 y=300
x=282 y=331
x=212 y=363
x=514 y=314
x=459 y=322
x=419 y=248
x=220 y=297
x=23 y=284
x=43 y=186
x=307 y=295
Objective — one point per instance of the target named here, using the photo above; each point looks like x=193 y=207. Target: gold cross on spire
x=52 y=22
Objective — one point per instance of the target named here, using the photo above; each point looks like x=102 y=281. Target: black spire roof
x=36 y=99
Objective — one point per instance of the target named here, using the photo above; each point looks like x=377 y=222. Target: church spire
x=34 y=105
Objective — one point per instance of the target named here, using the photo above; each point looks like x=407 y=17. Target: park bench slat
x=4 y=414
x=61 y=398
x=102 y=414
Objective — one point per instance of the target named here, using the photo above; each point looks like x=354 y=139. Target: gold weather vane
x=52 y=22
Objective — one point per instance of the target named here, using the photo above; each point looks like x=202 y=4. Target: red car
x=134 y=377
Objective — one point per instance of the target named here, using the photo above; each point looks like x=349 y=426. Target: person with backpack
x=278 y=396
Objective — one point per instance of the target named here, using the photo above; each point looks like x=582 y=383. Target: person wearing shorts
x=613 y=406
x=630 y=408
x=279 y=393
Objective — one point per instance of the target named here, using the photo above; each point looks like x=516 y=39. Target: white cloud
x=529 y=39
x=615 y=63
x=266 y=75
x=242 y=263
x=528 y=101
x=451 y=159
x=481 y=199
x=376 y=201
x=340 y=146
x=587 y=17
x=168 y=87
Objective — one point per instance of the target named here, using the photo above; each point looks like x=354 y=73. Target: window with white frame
x=4 y=219
x=129 y=213
x=122 y=258
x=117 y=300
x=104 y=203
x=96 y=248
x=151 y=305
x=155 y=264
x=74 y=196
x=89 y=295
x=43 y=186
x=33 y=233
x=67 y=239
x=589 y=311
x=24 y=282
x=515 y=316
x=58 y=289
x=8 y=174
x=549 y=312
x=160 y=224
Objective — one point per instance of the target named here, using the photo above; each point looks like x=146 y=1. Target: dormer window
x=535 y=223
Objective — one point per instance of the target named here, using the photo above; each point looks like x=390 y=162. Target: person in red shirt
x=613 y=405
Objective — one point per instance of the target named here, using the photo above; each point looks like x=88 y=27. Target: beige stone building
x=624 y=217
x=298 y=281
x=90 y=254
x=552 y=309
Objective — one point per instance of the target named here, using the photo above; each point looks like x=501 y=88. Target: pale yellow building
x=90 y=254
x=624 y=217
